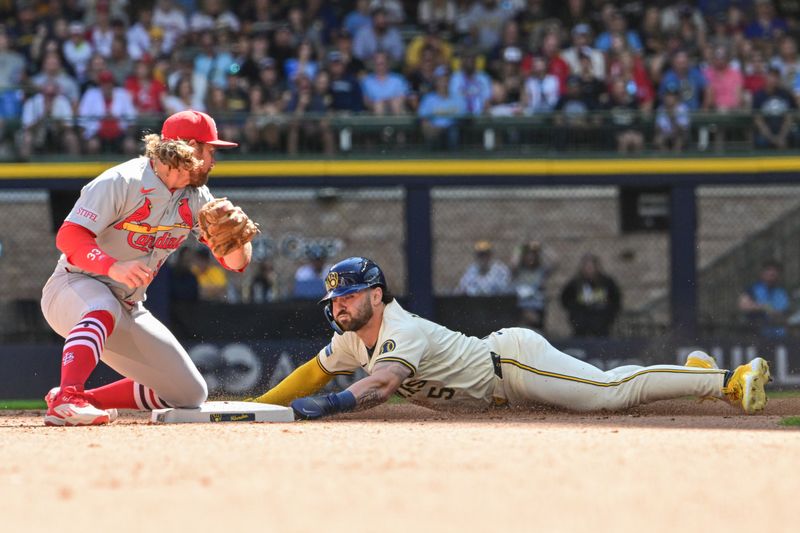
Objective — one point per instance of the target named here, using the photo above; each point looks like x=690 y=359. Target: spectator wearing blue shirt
x=12 y=68
x=474 y=87
x=485 y=276
x=212 y=63
x=384 y=91
x=440 y=111
x=618 y=26
x=358 y=18
x=765 y=24
x=378 y=36
x=304 y=63
x=688 y=79
x=765 y=303
x=672 y=122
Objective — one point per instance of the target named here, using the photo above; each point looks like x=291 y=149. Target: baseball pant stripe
x=609 y=383
x=94 y=324
x=137 y=396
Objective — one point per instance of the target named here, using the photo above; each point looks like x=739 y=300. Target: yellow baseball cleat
x=698 y=359
x=746 y=385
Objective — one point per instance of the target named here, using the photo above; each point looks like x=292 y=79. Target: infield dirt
x=672 y=466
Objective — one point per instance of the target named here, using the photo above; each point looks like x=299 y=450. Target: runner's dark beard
x=359 y=319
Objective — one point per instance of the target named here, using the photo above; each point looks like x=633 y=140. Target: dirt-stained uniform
x=450 y=370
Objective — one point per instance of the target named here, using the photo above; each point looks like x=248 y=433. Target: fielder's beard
x=358 y=318
x=198 y=178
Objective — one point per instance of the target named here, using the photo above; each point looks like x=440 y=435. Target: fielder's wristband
x=313 y=407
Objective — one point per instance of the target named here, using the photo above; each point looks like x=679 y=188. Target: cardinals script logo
x=145 y=237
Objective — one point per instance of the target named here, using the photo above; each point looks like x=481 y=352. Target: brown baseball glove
x=225 y=227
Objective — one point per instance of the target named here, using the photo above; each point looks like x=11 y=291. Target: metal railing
x=362 y=135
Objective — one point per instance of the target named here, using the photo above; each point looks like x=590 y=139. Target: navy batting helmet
x=350 y=275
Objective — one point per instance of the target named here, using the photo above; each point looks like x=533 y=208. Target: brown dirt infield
x=671 y=466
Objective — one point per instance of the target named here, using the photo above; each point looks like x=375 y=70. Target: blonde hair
x=173 y=153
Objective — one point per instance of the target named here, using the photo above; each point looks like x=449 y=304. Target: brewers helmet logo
x=332 y=281
x=387 y=347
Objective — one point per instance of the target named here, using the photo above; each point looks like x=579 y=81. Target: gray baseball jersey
x=135 y=216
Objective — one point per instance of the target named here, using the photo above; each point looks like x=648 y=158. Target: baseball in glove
x=225 y=227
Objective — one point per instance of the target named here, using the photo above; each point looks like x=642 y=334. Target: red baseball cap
x=193 y=125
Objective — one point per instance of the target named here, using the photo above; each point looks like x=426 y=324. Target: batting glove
x=313 y=407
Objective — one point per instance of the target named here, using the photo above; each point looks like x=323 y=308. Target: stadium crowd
x=89 y=76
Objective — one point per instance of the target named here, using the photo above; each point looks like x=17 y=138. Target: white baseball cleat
x=72 y=408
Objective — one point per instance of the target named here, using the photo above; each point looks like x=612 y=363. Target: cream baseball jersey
x=448 y=368
x=135 y=216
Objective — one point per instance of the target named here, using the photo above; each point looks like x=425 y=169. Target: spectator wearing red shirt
x=145 y=91
x=630 y=69
x=555 y=64
x=755 y=74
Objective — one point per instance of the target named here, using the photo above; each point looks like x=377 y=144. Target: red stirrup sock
x=126 y=394
x=83 y=347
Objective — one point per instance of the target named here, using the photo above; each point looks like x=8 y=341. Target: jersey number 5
x=443 y=393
